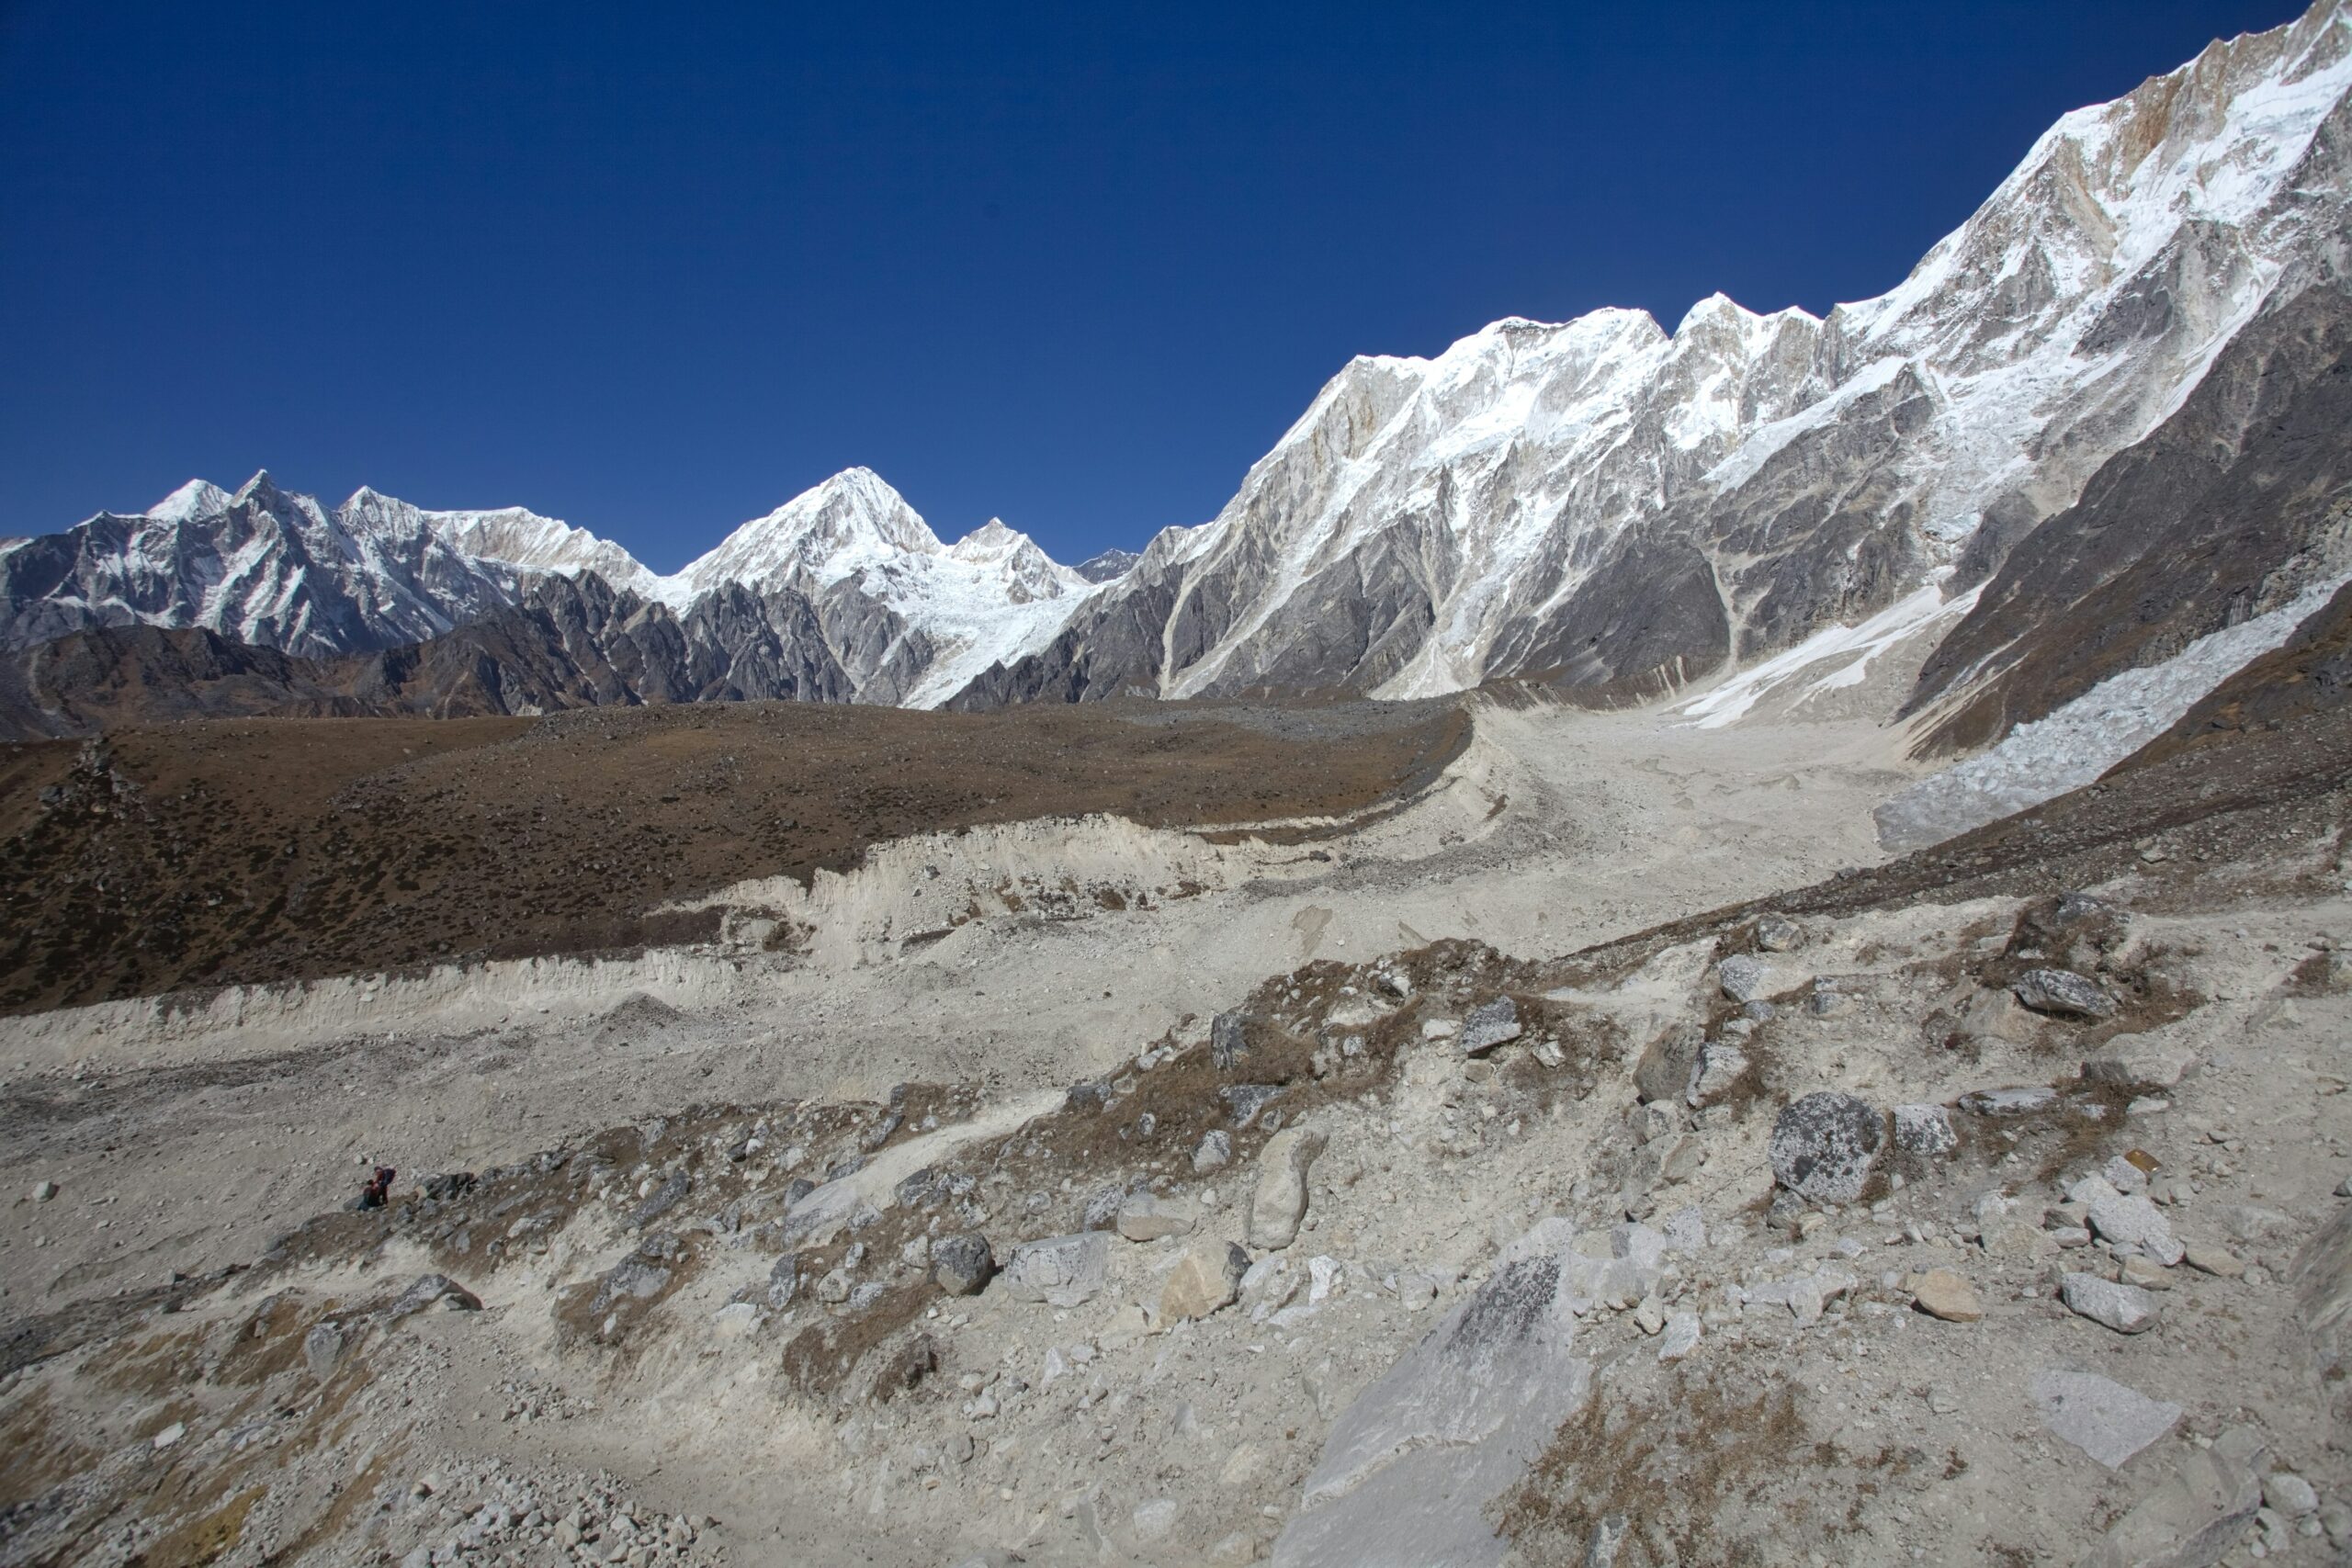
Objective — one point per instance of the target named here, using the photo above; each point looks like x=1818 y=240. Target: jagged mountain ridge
x=1621 y=511
x=867 y=601
x=1598 y=503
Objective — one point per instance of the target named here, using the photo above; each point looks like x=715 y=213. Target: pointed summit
x=195 y=499
x=828 y=531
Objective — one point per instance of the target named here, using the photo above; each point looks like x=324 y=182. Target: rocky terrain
x=1973 y=1206
x=1809 y=1024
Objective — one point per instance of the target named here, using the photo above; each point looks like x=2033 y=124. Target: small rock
x=1281 y=1200
x=2100 y=1416
x=1216 y=1149
x=2126 y=1309
x=1923 y=1131
x=1649 y=1316
x=2063 y=993
x=1228 y=1039
x=2021 y=1100
x=2146 y=1273
x=1719 y=1066
x=1778 y=933
x=1823 y=1147
x=1490 y=1025
x=44 y=1191
x=2136 y=1222
x=171 y=1434
x=2289 y=1494
x=834 y=1287
x=1681 y=1337
x=435 y=1291
x=1062 y=1271
x=1155 y=1518
x=1941 y=1294
x=1145 y=1217
x=2207 y=1258
x=1743 y=978
x=1208 y=1276
x=322 y=1346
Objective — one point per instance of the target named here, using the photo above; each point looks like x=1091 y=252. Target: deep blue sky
x=653 y=269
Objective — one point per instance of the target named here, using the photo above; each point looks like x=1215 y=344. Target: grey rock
x=1664 y=1071
x=2136 y=1222
x=834 y=1288
x=962 y=1265
x=1489 y=1025
x=2098 y=1416
x=1608 y=1536
x=1778 y=933
x=2289 y=1494
x=2196 y=1514
x=432 y=1291
x=323 y=1348
x=662 y=1199
x=1743 y=979
x=1244 y=1100
x=1923 y=1131
x=1720 y=1066
x=2023 y=1101
x=1228 y=1039
x=1145 y=1217
x=1063 y=1270
x=1280 y=1202
x=1825 y=1146
x=2126 y=1309
x=783 y=1282
x=1214 y=1150
x=1413 y=1463
x=2063 y=993
x=1680 y=1337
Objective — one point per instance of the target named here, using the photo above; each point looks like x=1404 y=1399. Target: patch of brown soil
x=258 y=850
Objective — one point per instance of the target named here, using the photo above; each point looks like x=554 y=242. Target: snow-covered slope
x=1624 y=510
x=918 y=619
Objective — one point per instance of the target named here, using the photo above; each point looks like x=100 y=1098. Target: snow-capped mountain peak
x=197 y=498
x=827 y=532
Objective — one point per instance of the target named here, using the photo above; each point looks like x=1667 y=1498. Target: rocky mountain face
x=566 y=643
x=1622 y=512
x=842 y=593
x=1598 y=504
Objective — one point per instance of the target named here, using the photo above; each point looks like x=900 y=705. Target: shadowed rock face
x=2239 y=502
x=570 y=643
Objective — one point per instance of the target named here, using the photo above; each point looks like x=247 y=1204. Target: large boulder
x=1825 y=1146
x=1412 y=1468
